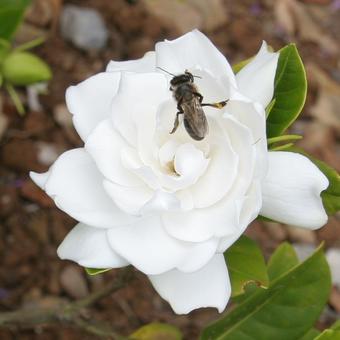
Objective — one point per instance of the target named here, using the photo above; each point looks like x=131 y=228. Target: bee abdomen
x=193 y=134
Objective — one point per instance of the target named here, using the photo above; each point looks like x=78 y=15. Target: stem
x=282 y=147
x=70 y=313
x=33 y=43
x=283 y=138
x=15 y=98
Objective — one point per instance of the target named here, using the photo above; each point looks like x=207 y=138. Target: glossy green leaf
x=310 y=335
x=24 y=68
x=288 y=309
x=245 y=265
x=157 y=331
x=269 y=107
x=11 y=13
x=290 y=89
x=96 y=271
x=283 y=259
x=329 y=334
x=330 y=196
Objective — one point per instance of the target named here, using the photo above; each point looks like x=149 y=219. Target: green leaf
x=11 y=13
x=310 y=335
x=245 y=265
x=269 y=107
x=286 y=310
x=96 y=271
x=283 y=259
x=157 y=331
x=290 y=89
x=24 y=68
x=329 y=334
x=330 y=196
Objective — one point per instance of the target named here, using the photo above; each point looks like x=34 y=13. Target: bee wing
x=195 y=121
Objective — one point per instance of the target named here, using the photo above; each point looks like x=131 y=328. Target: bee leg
x=176 y=123
x=219 y=105
x=200 y=97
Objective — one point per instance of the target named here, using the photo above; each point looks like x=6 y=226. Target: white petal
x=190 y=51
x=128 y=199
x=252 y=115
x=250 y=206
x=221 y=172
x=75 y=184
x=199 y=225
x=291 y=191
x=105 y=146
x=89 y=247
x=150 y=249
x=256 y=79
x=136 y=104
x=145 y=64
x=207 y=287
x=90 y=101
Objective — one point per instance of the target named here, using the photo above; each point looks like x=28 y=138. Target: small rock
x=73 y=282
x=47 y=153
x=33 y=92
x=40 y=13
x=334 y=299
x=303 y=251
x=301 y=235
x=62 y=116
x=333 y=258
x=84 y=27
x=276 y=231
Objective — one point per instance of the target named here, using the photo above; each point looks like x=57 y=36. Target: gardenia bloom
x=165 y=203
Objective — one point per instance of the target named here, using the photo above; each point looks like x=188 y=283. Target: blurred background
x=81 y=37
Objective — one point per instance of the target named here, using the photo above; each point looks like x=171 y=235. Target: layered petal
x=193 y=51
x=256 y=79
x=75 y=185
x=291 y=191
x=145 y=64
x=149 y=248
x=89 y=247
x=207 y=287
x=105 y=145
x=199 y=225
x=90 y=101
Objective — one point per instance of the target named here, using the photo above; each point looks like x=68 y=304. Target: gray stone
x=303 y=251
x=333 y=258
x=84 y=27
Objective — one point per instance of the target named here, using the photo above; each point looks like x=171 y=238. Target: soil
x=31 y=227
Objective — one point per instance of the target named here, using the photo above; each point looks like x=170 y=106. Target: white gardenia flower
x=165 y=203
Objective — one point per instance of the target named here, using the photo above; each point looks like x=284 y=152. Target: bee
x=190 y=105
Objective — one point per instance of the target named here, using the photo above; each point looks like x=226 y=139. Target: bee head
x=181 y=79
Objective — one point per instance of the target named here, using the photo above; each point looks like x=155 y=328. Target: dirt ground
x=31 y=227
